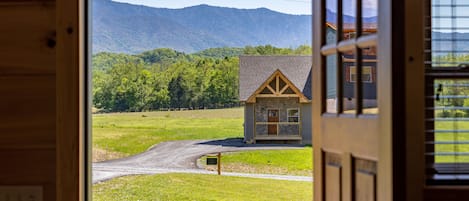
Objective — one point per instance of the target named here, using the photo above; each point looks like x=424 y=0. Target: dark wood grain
x=27 y=31
x=29 y=167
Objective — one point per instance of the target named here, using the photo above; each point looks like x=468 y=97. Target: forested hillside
x=127 y=28
x=166 y=78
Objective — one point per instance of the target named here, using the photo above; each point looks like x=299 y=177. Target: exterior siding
x=369 y=89
x=249 y=123
x=331 y=36
x=306 y=122
x=331 y=76
x=349 y=91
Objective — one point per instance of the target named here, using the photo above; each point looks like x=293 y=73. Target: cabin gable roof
x=277 y=85
x=257 y=71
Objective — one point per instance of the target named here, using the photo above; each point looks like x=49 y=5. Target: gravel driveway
x=181 y=157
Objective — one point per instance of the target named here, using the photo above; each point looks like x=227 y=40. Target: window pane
x=449 y=34
x=370 y=16
x=369 y=80
x=367 y=74
x=349 y=81
x=331 y=21
x=293 y=112
x=447 y=46
x=447 y=10
x=292 y=119
x=455 y=21
x=349 y=18
x=449 y=2
x=331 y=83
x=451 y=111
x=352 y=71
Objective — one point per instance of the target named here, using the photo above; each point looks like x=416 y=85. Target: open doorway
x=169 y=92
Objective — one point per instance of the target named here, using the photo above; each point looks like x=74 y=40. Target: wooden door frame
x=317 y=96
x=409 y=99
x=71 y=103
x=72 y=156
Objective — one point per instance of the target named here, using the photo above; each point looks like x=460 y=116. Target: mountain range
x=132 y=29
x=127 y=28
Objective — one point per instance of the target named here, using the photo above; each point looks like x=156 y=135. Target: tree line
x=165 y=78
x=451 y=94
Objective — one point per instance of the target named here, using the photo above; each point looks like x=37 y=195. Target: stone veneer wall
x=282 y=104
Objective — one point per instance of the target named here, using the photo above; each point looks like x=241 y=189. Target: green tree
x=166 y=78
x=176 y=92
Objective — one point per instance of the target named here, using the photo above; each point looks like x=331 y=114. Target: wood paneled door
x=273 y=118
x=348 y=133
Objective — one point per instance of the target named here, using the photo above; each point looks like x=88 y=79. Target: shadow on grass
x=238 y=142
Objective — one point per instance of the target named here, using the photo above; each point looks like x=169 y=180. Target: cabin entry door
x=273 y=119
x=347 y=129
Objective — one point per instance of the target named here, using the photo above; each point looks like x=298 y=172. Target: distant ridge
x=127 y=28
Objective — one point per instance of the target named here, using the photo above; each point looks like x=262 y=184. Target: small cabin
x=276 y=92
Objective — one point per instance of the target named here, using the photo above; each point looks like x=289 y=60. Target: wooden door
x=350 y=116
x=273 y=117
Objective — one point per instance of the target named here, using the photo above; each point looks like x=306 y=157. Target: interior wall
x=28 y=94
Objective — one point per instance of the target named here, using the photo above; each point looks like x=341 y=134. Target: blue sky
x=369 y=7
x=284 y=6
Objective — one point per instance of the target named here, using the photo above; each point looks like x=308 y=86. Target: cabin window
x=367 y=76
x=350 y=35
x=447 y=92
x=349 y=57
x=293 y=115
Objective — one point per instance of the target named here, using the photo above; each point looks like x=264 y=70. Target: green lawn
x=122 y=134
x=288 y=162
x=461 y=125
x=180 y=187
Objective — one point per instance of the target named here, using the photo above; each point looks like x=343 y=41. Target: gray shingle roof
x=255 y=70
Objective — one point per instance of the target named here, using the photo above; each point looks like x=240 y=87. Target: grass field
x=180 y=187
x=287 y=162
x=452 y=137
x=117 y=135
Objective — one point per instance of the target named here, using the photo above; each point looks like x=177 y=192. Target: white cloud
x=370 y=4
x=370 y=8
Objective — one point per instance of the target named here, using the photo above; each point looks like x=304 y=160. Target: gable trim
x=278 y=92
